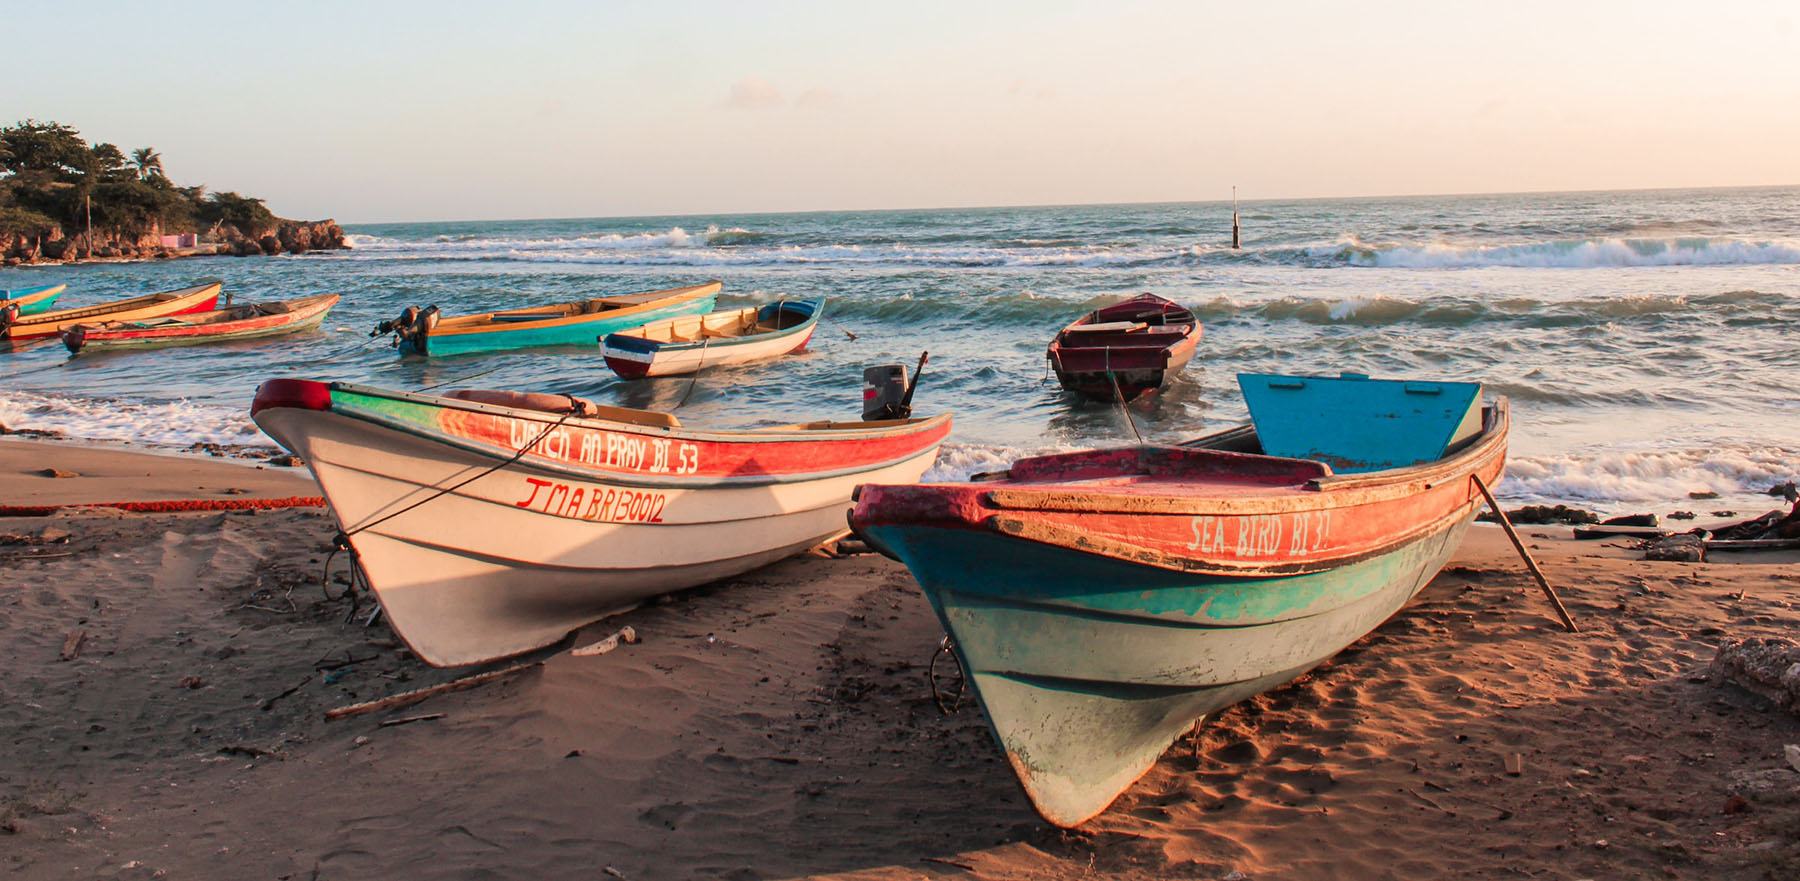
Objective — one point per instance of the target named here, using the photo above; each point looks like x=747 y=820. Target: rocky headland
x=62 y=199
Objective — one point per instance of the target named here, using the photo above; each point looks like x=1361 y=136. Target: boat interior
x=101 y=309
x=566 y=310
x=561 y=404
x=1131 y=324
x=727 y=324
x=235 y=313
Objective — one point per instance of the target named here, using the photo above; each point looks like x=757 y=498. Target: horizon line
x=1240 y=201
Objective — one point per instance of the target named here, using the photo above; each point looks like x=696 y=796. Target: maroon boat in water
x=1125 y=349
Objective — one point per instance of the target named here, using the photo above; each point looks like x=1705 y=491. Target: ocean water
x=1648 y=339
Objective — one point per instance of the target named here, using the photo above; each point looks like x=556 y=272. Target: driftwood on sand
x=408 y=698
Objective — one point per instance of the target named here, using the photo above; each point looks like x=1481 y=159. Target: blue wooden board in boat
x=1355 y=424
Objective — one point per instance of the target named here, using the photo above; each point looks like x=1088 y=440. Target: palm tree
x=148 y=162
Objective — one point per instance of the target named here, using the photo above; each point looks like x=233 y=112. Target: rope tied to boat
x=575 y=409
x=704 y=339
x=947 y=646
x=341 y=542
x=1120 y=395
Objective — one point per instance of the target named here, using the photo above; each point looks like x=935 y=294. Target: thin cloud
x=753 y=93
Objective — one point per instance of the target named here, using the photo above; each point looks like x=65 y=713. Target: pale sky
x=387 y=111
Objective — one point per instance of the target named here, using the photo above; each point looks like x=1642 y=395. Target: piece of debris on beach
x=1767 y=666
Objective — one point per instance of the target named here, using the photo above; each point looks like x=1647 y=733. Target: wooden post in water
x=1531 y=564
x=1235 y=245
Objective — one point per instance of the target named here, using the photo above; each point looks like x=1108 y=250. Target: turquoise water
x=1647 y=339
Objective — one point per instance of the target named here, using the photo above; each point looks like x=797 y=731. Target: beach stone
x=1768 y=666
x=1545 y=514
x=1632 y=520
x=287 y=461
x=57 y=472
x=1768 y=786
x=1789 y=491
x=52 y=535
x=1683 y=548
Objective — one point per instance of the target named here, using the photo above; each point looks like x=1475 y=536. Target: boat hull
x=634 y=357
x=1084 y=695
x=1132 y=382
x=1104 y=601
x=1124 y=350
x=572 y=330
x=32 y=301
x=200 y=298
x=120 y=335
x=525 y=552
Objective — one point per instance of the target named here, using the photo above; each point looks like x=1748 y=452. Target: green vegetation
x=51 y=179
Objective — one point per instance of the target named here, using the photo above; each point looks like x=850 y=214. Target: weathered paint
x=1103 y=601
x=1108 y=364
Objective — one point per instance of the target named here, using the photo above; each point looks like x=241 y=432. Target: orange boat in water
x=250 y=321
x=199 y=298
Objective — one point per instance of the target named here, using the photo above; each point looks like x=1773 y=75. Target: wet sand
x=780 y=724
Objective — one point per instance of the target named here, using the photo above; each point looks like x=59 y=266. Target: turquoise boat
x=1103 y=602
x=31 y=301
x=583 y=322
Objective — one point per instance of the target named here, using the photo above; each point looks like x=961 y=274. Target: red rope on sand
x=170 y=506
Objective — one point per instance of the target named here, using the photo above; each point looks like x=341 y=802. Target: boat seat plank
x=1109 y=327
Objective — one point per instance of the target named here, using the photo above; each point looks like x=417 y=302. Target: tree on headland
x=52 y=182
x=148 y=162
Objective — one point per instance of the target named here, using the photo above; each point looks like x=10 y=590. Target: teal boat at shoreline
x=32 y=301
x=582 y=322
x=1103 y=602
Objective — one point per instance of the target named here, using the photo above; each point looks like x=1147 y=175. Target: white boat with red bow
x=491 y=523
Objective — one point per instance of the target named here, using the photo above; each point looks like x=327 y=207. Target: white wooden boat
x=733 y=336
x=490 y=523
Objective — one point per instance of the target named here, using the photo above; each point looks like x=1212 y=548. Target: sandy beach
x=168 y=677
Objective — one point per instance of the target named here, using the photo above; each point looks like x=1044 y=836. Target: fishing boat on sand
x=490 y=523
x=1125 y=349
x=716 y=339
x=31 y=301
x=198 y=298
x=252 y=321
x=426 y=332
x=1102 y=602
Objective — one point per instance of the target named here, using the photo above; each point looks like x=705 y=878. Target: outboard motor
x=886 y=393
x=421 y=328
x=407 y=316
x=9 y=315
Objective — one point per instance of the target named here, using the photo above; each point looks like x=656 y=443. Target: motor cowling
x=398 y=325
x=883 y=387
x=9 y=315
x=420 y=332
